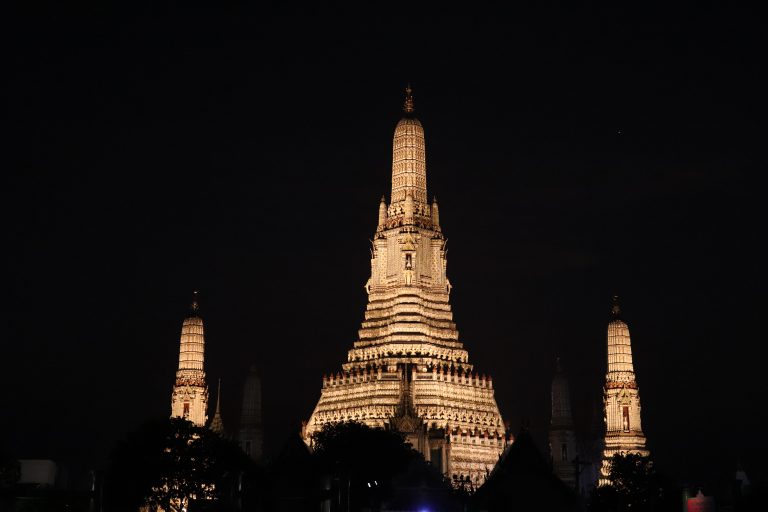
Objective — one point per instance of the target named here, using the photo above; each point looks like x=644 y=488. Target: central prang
x=408 y=371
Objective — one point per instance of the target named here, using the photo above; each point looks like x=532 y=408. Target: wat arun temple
x=408 y=371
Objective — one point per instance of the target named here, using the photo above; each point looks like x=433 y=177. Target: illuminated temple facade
x=189 y=398
x=621 y=396
x=408 y=371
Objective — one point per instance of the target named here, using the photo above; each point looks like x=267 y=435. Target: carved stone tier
x=459 y=403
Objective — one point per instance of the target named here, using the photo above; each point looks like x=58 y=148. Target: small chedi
x=408 y=371
x=189 y=398
x=250 y=436
x=217 y=423
x=621 y=396
x=562 y=434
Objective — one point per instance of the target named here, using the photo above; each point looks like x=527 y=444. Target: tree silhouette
x=362 y=461
x=10 y=470
x=634 y=485
x=170 y=463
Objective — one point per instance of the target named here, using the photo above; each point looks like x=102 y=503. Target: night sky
x=242 y=152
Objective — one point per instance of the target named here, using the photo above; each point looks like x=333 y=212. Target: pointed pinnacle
x=615 y=308
x=195 y=304
x=408 y=106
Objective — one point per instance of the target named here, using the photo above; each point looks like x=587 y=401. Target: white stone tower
x=408 y=370
x=562 y=438
x=621 y=395
x=189 y=399
x=251 y=434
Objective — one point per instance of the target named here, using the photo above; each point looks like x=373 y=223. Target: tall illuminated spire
x=190 y=393
x=621 y=396
x=408 y=370
x=192 y=350
x=409 y=165
x=620 y=367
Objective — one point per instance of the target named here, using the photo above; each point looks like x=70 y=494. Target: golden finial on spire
x=408 y=106
x=195 y=306
x=615 y=308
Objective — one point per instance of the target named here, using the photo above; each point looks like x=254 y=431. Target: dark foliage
x=361 y=461
x=166 y=461
x=367 y=453
x=634 y=486
x=371 y=466
x=10 y=470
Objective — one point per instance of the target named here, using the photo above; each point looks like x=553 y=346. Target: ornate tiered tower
x=562 y=438
x=190 y=393
x=621 y=396
x=408 y=371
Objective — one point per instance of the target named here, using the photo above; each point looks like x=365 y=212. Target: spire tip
x=408 y=106
x=195 y=304
x=615 y=308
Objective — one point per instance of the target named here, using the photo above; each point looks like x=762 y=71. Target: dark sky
x=576 y=154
